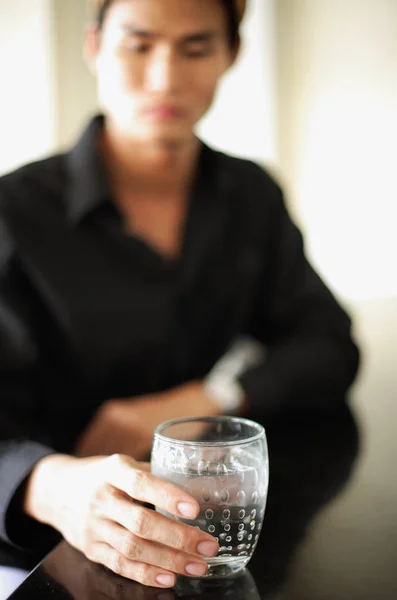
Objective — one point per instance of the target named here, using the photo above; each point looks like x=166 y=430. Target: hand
x=93 y=503
x=127 y=426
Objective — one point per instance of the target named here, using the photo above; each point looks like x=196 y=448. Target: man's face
x=158 y=63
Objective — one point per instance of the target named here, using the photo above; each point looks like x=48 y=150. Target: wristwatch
x=221 y=383
x=225 y=392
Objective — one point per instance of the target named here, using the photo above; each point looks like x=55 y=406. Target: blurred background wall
x=27 y=86
x=313 y=96
x=337 y=99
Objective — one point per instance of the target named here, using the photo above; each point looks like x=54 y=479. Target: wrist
x=226 y=393
x=222 y=382
x=191 y=400
x=208 y=404
x=43 y=488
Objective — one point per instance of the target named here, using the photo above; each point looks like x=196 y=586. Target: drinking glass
x=223 y=463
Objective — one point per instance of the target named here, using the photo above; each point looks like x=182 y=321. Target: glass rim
x=247 y=440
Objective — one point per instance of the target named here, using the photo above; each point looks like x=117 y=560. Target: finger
x=137 y=549
x=150 y=525
x=124 y=475
x=146 y=574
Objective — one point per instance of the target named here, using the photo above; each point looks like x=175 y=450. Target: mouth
x=164 y=112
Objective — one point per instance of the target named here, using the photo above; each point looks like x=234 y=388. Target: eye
x=137 y=48
x=135 y=44
x=197 y=53
x=197 y=50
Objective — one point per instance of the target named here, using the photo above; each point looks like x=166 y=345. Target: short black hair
x=229 y=5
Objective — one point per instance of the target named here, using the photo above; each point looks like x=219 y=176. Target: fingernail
x=208 y=548
x=197 y=569
x=166 y=580
x=187 y=510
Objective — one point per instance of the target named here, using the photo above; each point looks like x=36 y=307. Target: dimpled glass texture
x=223 y=463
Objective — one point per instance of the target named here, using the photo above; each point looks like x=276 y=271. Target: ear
x=91 y=47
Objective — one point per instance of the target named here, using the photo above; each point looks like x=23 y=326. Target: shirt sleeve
x=311 y=357
x=21 y=445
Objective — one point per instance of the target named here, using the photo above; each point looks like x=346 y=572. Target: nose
x=163 y=72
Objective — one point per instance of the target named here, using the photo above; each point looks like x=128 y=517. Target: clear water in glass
x=224 y=466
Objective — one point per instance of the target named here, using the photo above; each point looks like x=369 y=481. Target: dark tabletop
x=324 y=535
x=330 y=529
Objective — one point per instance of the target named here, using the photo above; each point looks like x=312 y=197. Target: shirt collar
x=89 y=187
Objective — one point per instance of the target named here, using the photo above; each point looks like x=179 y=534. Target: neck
x=148 y=166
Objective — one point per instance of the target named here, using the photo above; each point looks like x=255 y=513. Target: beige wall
x=75 y=86
x=243 y=120
x=337 y=99
x=27 y=115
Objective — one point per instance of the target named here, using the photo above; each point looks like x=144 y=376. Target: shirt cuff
x=17 y=460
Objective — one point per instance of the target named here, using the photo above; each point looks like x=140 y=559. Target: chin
x=168 y=134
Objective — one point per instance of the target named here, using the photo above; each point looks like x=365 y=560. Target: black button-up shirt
x=89 y=313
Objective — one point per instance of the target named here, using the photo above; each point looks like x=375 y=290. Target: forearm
x=127 y=425
x=303 y=371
